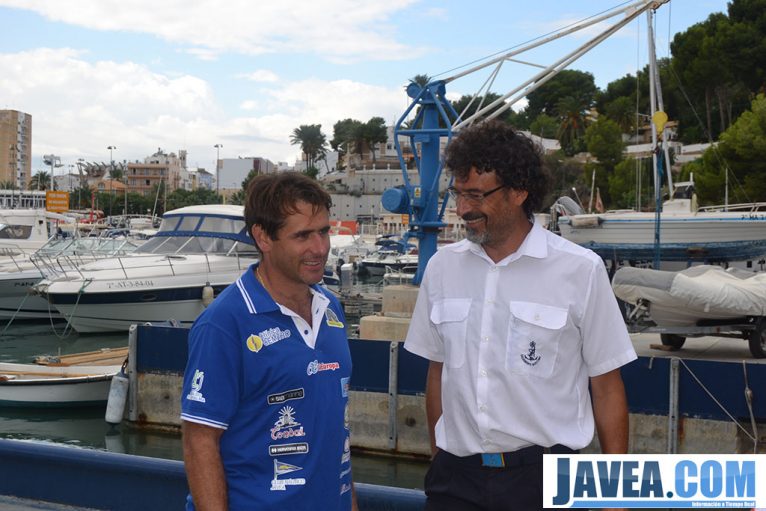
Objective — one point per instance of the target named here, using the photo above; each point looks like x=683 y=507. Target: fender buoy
x=118 y=396
x=207 y=295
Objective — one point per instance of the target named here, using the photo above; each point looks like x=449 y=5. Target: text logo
x=316 y=366
x=282 y=468
x=275 y=399
x=643 y=481
x=286 y=426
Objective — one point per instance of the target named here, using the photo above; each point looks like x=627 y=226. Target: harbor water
x=86 y=428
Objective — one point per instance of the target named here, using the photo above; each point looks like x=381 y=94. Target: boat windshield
x=15 y=232
x=200 y=234
x=196 y=245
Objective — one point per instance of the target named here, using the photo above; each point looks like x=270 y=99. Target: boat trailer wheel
x=673 y=341
x=757 y=340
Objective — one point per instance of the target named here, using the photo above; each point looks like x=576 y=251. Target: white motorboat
x=23 y=231
x=19 y=273
x=197 y=252
x=734 y=233
x=32 y=385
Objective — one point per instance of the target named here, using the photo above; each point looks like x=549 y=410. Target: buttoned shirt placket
x=489 y=313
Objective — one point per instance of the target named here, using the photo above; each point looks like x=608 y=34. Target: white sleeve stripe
x=245 y=296
x=202 y=420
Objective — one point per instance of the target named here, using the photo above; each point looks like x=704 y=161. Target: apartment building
x=160 y=167
x=15 y=147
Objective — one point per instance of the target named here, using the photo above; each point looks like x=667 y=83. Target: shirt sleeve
x=606 y=343
x=211 y=386
x=422 y=337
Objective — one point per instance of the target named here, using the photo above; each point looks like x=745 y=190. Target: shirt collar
x=534 y=245
x=257 y=299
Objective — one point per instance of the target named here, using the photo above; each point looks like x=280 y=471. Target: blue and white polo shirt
x=282 y=403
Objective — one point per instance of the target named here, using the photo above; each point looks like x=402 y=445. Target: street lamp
x=217 y=167
x=55 y=162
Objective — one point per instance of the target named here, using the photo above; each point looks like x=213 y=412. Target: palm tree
x=40 y=181
x=572 y=127
x=312 y=141
x=8 y=185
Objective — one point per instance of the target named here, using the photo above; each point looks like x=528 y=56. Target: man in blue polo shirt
x=265 y=394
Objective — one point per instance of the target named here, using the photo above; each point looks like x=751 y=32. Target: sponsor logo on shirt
x=266 y=338
x=286 y=426
x=531 y=357
x=344 y=386
x=287 y=449
x=345 y=418
x=275 y=399
x=315 y=366
x=281 y=468
x=332 y=319
x=196 y=386
x=346 y=457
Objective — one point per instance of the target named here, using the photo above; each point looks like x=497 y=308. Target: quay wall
x=676 y=405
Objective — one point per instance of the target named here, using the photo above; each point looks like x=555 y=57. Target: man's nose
x=462 y=206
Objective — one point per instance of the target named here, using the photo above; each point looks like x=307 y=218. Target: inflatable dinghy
x=698 y=293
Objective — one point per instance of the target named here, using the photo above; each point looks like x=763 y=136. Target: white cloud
x=203 y=53
x=260 y=75
x=339 y=30
x=79 y=108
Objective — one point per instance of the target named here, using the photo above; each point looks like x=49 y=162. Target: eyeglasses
x=474 y=197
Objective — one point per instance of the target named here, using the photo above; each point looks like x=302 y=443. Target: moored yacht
x=196 y=253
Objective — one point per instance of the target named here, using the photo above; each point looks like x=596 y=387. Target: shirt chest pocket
x=450 y=318
x=534 y=334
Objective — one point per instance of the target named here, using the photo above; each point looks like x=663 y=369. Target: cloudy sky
x=174 y=74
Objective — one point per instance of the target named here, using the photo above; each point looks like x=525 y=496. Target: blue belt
x=527 y=456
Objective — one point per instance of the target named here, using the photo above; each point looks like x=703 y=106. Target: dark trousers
x=453 y=483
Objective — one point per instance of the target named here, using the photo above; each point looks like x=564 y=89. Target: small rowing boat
x=32 y=385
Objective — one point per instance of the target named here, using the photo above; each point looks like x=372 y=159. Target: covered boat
x=699 y=296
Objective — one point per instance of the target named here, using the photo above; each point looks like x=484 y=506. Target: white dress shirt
x=519 y=340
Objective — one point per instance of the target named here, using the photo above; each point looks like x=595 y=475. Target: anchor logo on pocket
x=531 y=357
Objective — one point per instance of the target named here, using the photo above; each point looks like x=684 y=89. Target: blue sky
x=173 y=74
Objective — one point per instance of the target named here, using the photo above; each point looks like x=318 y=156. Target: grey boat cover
x=684 y=297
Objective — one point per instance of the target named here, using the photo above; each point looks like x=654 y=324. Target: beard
x=471 y=234
x=477 y=237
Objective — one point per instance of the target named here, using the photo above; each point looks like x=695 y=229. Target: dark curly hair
x=494 y=146
x=271 y=198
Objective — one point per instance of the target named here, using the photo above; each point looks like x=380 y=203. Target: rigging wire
x=501 y=52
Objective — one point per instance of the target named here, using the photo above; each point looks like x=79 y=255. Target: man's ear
x=518 y=196
x=261 y=238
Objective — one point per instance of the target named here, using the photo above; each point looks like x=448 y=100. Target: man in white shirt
x=516 y=322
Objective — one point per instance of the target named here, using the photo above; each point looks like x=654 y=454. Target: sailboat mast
x=653 y=90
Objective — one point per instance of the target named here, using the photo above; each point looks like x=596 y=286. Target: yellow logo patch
x=332 y=319
x=254 y=343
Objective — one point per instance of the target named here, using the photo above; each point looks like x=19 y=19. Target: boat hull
x=709 y=237
x=17 y=302
x=29 y=385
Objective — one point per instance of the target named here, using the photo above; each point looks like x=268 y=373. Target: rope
x=15 y=314
x=68 y=326
x=718 y=402
x=749 y=401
